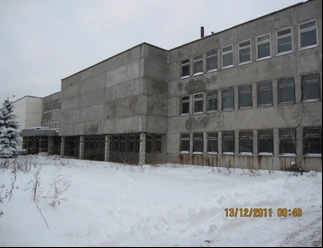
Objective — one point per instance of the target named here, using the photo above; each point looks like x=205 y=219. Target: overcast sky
x=42 y=42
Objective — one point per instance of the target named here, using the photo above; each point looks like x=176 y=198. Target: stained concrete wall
x=294 y=64
x=126 y=93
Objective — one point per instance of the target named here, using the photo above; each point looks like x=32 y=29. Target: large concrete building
x=249 y=97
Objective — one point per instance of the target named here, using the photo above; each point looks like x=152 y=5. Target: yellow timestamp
x=262 y=212
x=248 y=212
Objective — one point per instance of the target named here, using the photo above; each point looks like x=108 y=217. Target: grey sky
x=42 y=42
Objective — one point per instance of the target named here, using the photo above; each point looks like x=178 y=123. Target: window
x=228 y=99
x=228 y=142
x=263 y=47
x=148 y=143
x=198 y=64
x=212 y=60
x=312 y=140
x=212 y=100
x=246 y=142
x=284 y=41
x=96 y=144
x=91 y=143
x=198 y=103
x=245 y=96
x=265 y=139
x=185 y=143
x=244 y=52
x=185 y=104
x=131 y=146
x=116 y=143
x=198 y=142
x=227 y=56
x=286 y=90
x=186 y=68
x=212 y=142
x=137 y=143
x=122 y=143
x=265 y=96
x=158 y=142
x=308 y=34
x=311 y=87
x=86 y=143
x=287 y=141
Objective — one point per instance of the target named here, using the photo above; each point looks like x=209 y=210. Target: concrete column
x=275 y=93
x=62 y=145
x=255 y=149
x=219 y=147
x=142 y=148
x=107 y=148
x=81 y=146
x=50 y=145
x=299 y=146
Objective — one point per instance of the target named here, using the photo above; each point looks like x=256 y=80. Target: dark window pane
x=308 y=38
x=287 y=141
x=148 y=144
x=308 y=25
x=227 y=59
x=284 y=32
x=158 y=143
x=198 y=66
x=212 y=63
x=122 y=143
x=212 y=100
x=198 y=142
x=244 y=55
x=228 y=99
x=265 y=141
x=212 y=142
x=228 y=142
x=264 y=93
x=312 y=143
x=227 y=49
x=185 y=142
x=311 y=87
x=264 y=50
x=198 y=103
x=131 y=146
x=246 y=142
x=116 y=143
x=286 y=89
x=137 y=143
x=243 y=44
x=245 y=96
x=284 y=44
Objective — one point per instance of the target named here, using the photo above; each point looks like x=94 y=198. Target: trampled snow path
x=116 y=205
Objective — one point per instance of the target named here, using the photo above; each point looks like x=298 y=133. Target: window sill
x=212 y=153
x=265 y=106
x=184 y=152
x=213 y=70
x=260 y=59
x=285 y=103
x=245 y=154
x=197 y=153
x=245 y=63
x=228 y=153
x=184 y=114
x=267 y=154
x=313 y=155
x=287 y=155
x=184 y=77
x=197 y=74
x=198 y=113
x=244 y=108
x=228 y=110
x=284 y=53
x=229 y=66
x=212 y=111
x=311 y=100
x=309 y=47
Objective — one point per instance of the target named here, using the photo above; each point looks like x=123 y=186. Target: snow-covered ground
x=169 y=205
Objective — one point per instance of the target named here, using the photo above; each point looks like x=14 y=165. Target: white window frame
x=263 y=42
x=211 y=56
x=189 y=65
x=225 y=53
x=189 y=105
x=307 y=29
x=198 y=60
x=285 y=36
x=241 y=48
x=200 y=93
x=207 y=101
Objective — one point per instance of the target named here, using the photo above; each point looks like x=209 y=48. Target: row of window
x=310 y=86
x=308 y=38
x=312 y=142
x=53 y=105
x=51 y=124
x=126 y=143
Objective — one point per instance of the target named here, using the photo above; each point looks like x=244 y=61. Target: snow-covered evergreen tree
x=9 y=135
